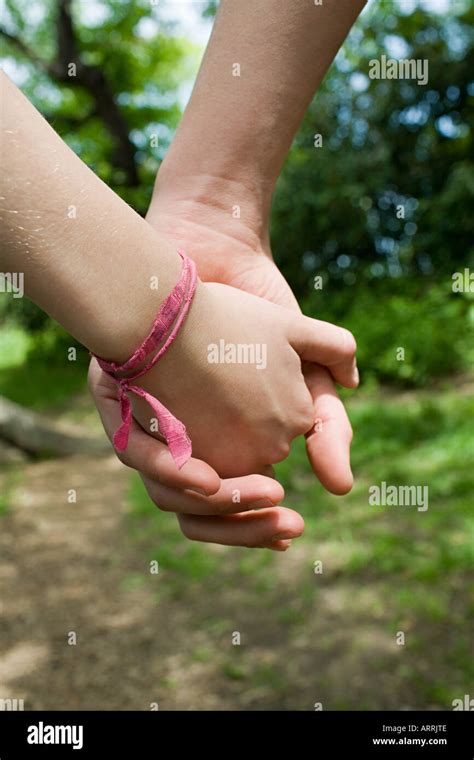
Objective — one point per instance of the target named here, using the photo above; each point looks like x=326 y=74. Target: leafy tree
x=106 y=77
x=382 y=210
x=389 y=194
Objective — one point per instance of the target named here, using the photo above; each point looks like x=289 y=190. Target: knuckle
x=306 y=419
x=280 y=451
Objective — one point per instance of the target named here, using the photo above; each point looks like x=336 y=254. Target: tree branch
x=36 y=434
x=25 y=51
x=92 y=79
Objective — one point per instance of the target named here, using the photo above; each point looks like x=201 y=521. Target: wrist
x=236 y=206
x=130 y=304
x=108 y=301
x=185 y=353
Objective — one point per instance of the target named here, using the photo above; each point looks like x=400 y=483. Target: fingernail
x=282 y=546
x=356 y=375
x=281 y=537
x=261 y=504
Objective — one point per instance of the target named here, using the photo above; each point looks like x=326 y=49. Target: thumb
x=326 y=344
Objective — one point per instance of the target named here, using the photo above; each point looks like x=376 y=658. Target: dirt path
x=56 y=578
x=64 y=568
x=70 y=567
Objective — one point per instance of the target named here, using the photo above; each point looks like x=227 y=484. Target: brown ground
x=71 y=567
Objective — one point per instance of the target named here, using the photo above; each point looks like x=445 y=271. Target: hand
x=242 y=413
x=238 y=253
x=256 y=528
x=206 y=506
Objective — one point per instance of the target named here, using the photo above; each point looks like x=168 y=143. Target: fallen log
x=11 y=454
x=37 y=434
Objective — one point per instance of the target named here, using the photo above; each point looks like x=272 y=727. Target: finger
x=331 y=346
x=145 y=453
x=234 y=495
x=266 y=527
x=328 y=442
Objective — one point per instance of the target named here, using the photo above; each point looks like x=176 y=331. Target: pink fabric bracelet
x=165 y=328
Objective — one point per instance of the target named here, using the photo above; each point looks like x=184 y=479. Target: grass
x=421 y=442
x=402 y=569
x=10 y=481
x=34 y=374
x=385 y=569
x=4 y=504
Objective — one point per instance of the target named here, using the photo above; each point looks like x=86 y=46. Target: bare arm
x=73 y=238
x=264 y=61
x=262 y=66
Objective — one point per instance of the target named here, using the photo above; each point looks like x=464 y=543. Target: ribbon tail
x=121 y=435
x=172 y=430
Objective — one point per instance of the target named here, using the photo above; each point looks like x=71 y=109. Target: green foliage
x=142 y=64
x=408 y=331
x=173 y=555
x=385 y=568
x=387 y=143
x=11 y=480
x=34 y=367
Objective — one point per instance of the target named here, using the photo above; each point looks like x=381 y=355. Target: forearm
x=237 y=129
x=87 y=258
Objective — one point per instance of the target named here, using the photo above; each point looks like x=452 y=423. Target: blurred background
x=320 y=624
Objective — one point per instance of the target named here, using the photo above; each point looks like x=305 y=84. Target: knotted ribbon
x=168 y=322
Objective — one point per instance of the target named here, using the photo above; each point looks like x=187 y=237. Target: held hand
x=206 y=506
x=233 y=376
x=228 y=251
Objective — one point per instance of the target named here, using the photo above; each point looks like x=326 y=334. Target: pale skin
x=90 y=268
x=228 y=150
